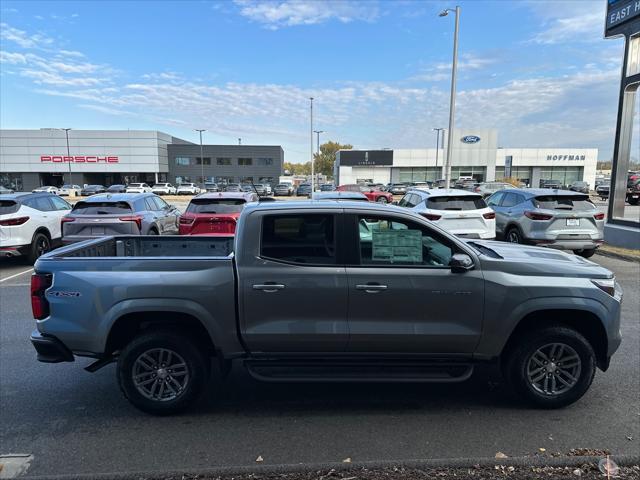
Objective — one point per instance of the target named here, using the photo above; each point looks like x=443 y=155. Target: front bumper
x=50 y=349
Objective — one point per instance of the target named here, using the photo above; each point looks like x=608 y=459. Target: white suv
x=66 y=190
x=138 y=188
x=163 y=189
x=188 y=189
x=30 y=223
x=460 y=212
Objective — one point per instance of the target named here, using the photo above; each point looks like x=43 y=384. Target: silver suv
x=546 y=217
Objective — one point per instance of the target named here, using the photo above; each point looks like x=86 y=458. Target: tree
x=297 y=168
x=327 y=158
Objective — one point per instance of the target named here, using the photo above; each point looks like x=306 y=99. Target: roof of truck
x=324 y=205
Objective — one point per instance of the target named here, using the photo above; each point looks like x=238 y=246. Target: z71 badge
x=63 y=294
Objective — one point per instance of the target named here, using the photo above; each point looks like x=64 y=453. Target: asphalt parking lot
x=72 y=421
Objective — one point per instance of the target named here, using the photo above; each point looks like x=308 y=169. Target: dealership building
x=475 y=153
x=32 y=158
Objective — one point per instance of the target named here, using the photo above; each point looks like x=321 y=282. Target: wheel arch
x=43 y=230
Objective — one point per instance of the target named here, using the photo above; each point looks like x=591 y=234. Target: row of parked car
x=158 y=189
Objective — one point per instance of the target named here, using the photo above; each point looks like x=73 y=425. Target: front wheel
x=514 y=236
x=382 y=200
x=552 y=367
x=162 y=373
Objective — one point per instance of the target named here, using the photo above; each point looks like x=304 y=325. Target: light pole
x=311 y=143
x=200 y=130
x=66 y=133
x=239 y=141
x=438 y=130
x=317 y=132
x=452 y=100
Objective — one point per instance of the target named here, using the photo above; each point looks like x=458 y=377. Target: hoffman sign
x=78 y=159
x=565 y=157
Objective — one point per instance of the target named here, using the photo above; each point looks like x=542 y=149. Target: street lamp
x=66 y=133
x=452 y=104
x=317 y=132
x=200 y=130
x=438 y=130
x=239 y=141
x=311 y=143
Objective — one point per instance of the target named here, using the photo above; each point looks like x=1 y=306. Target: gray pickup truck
x=325 y=291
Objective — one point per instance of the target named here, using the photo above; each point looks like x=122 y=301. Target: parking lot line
x=16 y=275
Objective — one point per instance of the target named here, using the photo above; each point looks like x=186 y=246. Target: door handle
x=269 y=287
x=371 y=288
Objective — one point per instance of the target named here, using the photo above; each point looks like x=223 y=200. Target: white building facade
x=475 y=153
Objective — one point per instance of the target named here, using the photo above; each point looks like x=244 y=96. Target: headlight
x=607 y=285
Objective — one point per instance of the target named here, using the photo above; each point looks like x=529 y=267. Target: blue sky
x=538 y=71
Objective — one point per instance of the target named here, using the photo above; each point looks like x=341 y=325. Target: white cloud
x=21 y=38
x=285 y=13
x=12 y=58
x=50 y=78
x=564 y=21
x=71 y=53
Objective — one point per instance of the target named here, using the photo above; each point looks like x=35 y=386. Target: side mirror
x=460 y=263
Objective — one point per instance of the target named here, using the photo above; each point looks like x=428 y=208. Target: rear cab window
x=564 y=202
x=459 y=202
x=302 y=239
x=216 y=205
x=101 y=208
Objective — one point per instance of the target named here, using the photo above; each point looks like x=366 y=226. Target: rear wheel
x=40 y=245
x=552 y=367
x=513 y=235
x=381 y=200
x=587 y=253
x=634 y=201
x=153 y=231
x=161 y=372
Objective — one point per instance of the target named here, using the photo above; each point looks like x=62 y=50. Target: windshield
x=101 y=208
x=467 y=202
x=562 y=202
x=214 y=205
x=135 y=185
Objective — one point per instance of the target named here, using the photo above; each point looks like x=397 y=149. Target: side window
x=404 y=201
x=510 y=199
x=494 y=200
x=397 y=242
x=150 y=204
x=40 y=203
x=519 y=199
x=305 y=239
x=160 y=203
x=60 y=204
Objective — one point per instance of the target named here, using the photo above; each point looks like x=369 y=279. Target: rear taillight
x=599 y=216
x=39 y=304
x=12 y=222
x=477 y=189
x=187 y=220
x=489 y=215
x=431 y=216
x=537 y=216
x=64 y=220
x=133 y=218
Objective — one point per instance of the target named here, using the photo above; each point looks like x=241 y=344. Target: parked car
x=248 y=188
x=163 y=189
x=397 y=189
x=233 y=187
x=70 y=190
x=283 y=190
x=578 y=186
x=633 y=192
x=396 y=299
x=92 y=190
x=214 y=213
x=30 y=223
x=138 y=188
x=119 y=214
x=303 y=190
x=117 y=189
x=211 y=187
x=267 y=189
x=459 y=212
x=46 y=189
x=327 y=187
x=559 y=219
x=489 y=188
x=555 y=184
x=373 y=195
x=602 y=190
x=260 y=188
x=352 y=196
x=4 y=190
x=187 y=189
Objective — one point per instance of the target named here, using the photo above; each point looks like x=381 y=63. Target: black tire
x=633 y=201
x=184 y=348
x=513 y=235
x=587 y=253
x=382 y=200
x=40 y=244
x=153 y=231
x=519 y=359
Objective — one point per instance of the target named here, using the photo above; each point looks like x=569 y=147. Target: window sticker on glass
x=402 y=246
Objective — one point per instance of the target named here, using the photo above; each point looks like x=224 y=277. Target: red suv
x=372 y=195
x=214 y=213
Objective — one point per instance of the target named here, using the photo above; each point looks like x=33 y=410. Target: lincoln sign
x=78 y=159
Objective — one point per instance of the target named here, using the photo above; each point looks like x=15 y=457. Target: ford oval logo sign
x=470 y=139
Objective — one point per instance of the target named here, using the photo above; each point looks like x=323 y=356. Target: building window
x=267 y=180
x=185 y=161
x=566 y=175
x=223 y=161
x=12 y=181
x=246 y=179
x=264 y=162
x=199 y=161
x=245 y=162
x=224 y=180
x=182 y=179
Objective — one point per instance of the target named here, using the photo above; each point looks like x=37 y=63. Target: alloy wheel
x=160 y=374
x=554 y=369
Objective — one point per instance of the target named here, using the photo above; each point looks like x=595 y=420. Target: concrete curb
x=536 y=461
x=619 y=256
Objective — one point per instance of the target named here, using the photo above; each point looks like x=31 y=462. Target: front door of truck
x=293 y=288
